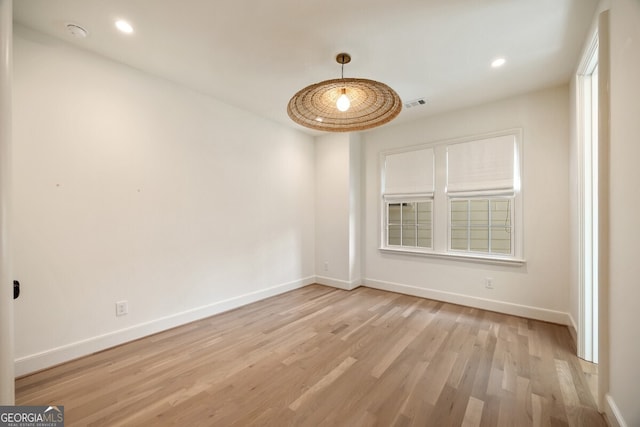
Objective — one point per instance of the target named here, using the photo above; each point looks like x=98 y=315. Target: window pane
x=501 y=212
x=394 y=213
x=479 y=239
x=393 y=235
x=479 y=212
x=459 y=213
x=459 y=239
x=424 y=237
x=408 y=213
x=408 y=235
x=424 y=212
x=501 y=240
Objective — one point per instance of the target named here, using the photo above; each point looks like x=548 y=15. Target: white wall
x=128 y=187
x=7 y=388
x=355 y=210
x=332 y=209
x=624 y=199
x=338 y=212
x=538 y=289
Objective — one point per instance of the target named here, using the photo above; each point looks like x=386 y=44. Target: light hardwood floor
x=322 y=356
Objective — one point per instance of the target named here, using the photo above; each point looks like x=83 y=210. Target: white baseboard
x=613 y=413
x=476 y=302
x=36 y=362
x=573 y=330
x=337 y=283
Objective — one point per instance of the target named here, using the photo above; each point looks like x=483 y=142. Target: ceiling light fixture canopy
x=344 y=105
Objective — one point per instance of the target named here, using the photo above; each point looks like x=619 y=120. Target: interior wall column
x=7 y=384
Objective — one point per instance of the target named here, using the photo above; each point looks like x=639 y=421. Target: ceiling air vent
x=415 y=103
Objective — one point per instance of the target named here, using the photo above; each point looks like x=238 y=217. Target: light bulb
x=498 y=62
x=343 y=102
x=124 y=26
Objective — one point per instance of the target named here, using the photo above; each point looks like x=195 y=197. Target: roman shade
x=483 y=166
x=409 y=173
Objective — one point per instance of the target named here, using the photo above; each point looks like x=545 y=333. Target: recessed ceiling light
x=498 y=62
x=124 y=26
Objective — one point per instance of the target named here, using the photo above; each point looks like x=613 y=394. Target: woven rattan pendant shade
x=372 y=104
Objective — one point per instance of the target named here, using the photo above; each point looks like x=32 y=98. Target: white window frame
x=440 y=222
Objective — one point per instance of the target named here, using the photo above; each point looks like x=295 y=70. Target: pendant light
x=344 y=104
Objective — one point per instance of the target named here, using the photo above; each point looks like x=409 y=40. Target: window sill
x=458 y=256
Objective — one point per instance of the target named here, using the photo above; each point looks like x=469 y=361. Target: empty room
x=340 y=213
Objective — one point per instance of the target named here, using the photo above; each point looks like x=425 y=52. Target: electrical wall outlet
x=488 y=283
x=326 y=266
x=122 y=308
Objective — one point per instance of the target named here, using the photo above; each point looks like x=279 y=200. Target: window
x=459 y=198
x=481 y=225
x=408 y=199
x=409 y=224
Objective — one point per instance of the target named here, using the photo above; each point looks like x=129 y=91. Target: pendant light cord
x=343 y=58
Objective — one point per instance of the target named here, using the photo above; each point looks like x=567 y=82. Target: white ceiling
x=255 y=54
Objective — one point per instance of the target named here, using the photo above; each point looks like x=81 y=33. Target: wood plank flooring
x=322 y=356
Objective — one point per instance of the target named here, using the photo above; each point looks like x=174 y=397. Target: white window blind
x=409 y=173
x=486 y=165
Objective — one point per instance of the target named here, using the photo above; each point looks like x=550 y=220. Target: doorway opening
x=588 y=160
